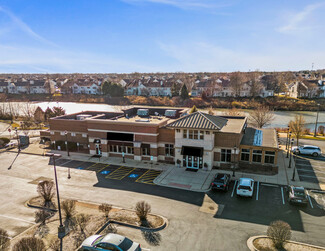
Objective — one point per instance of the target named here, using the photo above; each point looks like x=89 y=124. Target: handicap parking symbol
x=133 y=175
x=105 y=172
x=80 y=168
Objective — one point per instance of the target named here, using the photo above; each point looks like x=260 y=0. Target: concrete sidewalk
x=199 y=181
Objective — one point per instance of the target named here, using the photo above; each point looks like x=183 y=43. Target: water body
x=281 y=118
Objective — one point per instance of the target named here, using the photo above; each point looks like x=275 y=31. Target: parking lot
x=311 y=169
x=112 y=172
x=269 y=202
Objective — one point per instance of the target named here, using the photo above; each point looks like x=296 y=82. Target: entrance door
x=192 y=161
x=98 y=149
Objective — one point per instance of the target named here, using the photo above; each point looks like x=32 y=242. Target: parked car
x=114 y=242
x=221 y=182
x=307 y=149
x=245 y=187
x=297 y=195
x=11 y=145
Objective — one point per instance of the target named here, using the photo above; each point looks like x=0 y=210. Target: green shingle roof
x=199 y=120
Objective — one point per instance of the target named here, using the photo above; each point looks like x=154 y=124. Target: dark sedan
x=221 y=182
x=297 y=195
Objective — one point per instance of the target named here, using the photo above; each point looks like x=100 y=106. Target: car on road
x=297 y=195
x=114 y=242
x=245 y=187
x=307 y=149
x=221 y=182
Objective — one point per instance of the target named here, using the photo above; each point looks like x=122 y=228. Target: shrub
x=105 y=208
x=321 y=130
x=54 y=244
x=279 y=232
x=29 y=243
x=306 y=131
x=41 y=216
x=46 y=190
x=142 y=209
x=4 y=240
x=69 y=208
x=81 y=222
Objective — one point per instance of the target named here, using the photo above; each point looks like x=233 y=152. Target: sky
x=124 y=36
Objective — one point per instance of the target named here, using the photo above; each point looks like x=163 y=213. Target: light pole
x=287 y=137
x=315 y=133
x=17 y=139
x=234 y=162
x=123 y=156
x=61 y=229
x=290 y=150
x=289 y=145
x=66 y=142
x=294 y=168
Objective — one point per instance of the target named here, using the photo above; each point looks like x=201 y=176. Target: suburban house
x=193 y=141
x=81 y=86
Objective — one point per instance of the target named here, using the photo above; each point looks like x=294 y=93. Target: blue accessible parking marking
x=105 y=172
x=80 y=168
x=133 y=175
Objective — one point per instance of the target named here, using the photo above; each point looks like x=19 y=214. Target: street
x=189 y=227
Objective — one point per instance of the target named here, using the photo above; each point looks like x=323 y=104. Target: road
x=190 y=226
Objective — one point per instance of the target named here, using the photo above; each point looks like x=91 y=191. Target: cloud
x=204 y=56
x=297 y=20
x=25 y=28
x=184 y=4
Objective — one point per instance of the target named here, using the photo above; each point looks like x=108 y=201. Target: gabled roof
x=199 y=120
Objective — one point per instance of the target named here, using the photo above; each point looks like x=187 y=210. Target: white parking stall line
x=145 y=249
x=233 y=190
x=18 y=219
x=268 y=185
x=282 y=196
x=65 y=163
x=311 y=204
x=258 y=185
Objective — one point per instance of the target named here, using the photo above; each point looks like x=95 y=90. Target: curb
x=251 y=246
x=164 y=225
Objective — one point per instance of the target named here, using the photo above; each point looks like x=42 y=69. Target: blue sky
x=160 y=35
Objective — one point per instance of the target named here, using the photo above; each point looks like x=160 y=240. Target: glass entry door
x=194 y=162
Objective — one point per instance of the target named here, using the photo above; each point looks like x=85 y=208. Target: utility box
x=23 y=140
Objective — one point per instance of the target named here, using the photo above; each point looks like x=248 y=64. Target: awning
x=192 y=151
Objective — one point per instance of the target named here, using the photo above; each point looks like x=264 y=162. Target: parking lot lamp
x=290 y=150
x=315 y=133
x=61 y=229
x=17 y=139
x=288 y=129
x=289 y=145
x=66 y=142
x=294 y=168
x=123 y=156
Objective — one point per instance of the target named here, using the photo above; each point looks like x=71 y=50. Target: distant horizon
x=126 y=36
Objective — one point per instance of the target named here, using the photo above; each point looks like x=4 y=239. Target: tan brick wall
x=227 y=139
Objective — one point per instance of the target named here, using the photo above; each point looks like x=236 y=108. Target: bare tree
x=236 y=82
x=28 y=111
x=81 y=222
x=279 y=232
x=142 y=209
x=254 y=83
x=297 y=127
x=41 y=216
x=261 y=116
x=4 y=240
x=105 y=208
x=46 y=190
x=210 y=111
x=54 y=244
x=29 y=243
x=69 y=209
x=233 y=112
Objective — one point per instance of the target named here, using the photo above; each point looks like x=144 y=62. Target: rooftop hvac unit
x=83 y=116
x=143 y=112
x=170 y=113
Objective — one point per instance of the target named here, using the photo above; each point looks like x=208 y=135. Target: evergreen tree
x=112 y=89
x=175 y=89
x=184 y=92
x=193 y=109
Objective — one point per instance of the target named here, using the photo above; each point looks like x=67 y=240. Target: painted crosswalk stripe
x=258 y=185
x=233 y=190
x=311 y=204
x=282 y=196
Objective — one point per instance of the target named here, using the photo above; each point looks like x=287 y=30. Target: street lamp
x=61 y=229
x=123 y=156
x=294 y=168
x=315 y=133
x=288 y=129
x=289 y=145
x=66 y=142
x=290 y=150
x=17 y=139
x=234 y=160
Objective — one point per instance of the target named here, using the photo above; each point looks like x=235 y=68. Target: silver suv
x=307 y=149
